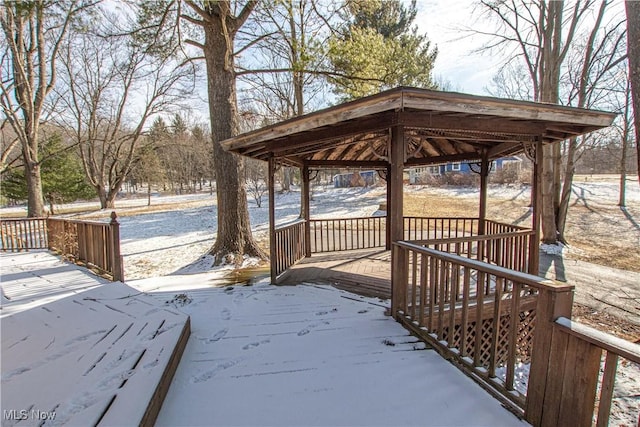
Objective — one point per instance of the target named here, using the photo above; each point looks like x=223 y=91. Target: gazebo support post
x=536 y=205
x=395 y=213
x=388 y=211
x=484 y=178
x=272 y=219
x=306 y=191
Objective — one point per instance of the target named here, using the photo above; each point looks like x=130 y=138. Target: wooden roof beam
x=425 y=161
x=439 y=121
x=366 y=164
x=366 y=125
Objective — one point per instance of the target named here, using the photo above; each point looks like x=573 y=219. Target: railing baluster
x=513 y=334
x=455 y=282
x=465 y=310
x=479 y=329
x=423 y=288
x=414 y=282
x=496 y=330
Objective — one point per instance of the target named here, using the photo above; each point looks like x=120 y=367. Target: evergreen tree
x=63 y=179
x=378 y=49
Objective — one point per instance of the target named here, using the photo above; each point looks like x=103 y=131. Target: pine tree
x=378 y=49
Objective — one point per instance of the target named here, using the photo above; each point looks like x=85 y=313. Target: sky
x=443 y=22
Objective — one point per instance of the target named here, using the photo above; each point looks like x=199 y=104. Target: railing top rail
x=39 y=218
x=290 y=224
x=616 y=345
x=345 y=218
x=443 y=217
x=79 y=221
x=480 y=238
x=524 y=278
x=519 y=227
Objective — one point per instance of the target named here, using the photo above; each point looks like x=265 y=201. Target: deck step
x=103 y=355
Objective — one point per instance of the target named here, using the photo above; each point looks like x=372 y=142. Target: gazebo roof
x=438 y=127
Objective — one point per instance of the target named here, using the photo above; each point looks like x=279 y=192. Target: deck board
x=81 y=349
x=365 y=272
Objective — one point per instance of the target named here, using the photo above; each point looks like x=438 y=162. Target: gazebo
x=408 y=127
x=466 y=286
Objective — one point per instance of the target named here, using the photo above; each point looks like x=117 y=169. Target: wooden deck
x=79 y=350
x=365 y=272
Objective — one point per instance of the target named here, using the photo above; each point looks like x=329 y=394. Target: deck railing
x=498 y=324
x=23 y=234
x=508 y=249
x=423 y=228
x=578 y=394
x=91 y=243
x=289 y=246
x=478 y=314
x=331 y=235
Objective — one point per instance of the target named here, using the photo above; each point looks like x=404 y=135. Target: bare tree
x=625 y=132
x=541 y=36
x=33 y=33
x=221 y=21
x=113 y=86
x=633 y=49
x=9 y=147
x=595 y=64
x=256 y=180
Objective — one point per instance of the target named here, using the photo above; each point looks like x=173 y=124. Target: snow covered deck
x=93 y=352
x=310 y=355
x=79 y=350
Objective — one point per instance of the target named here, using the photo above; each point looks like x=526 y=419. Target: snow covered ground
x=231 y=343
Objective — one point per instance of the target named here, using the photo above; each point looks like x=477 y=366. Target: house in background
x=354 y=179
x=417 y=175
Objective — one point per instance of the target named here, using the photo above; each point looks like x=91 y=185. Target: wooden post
x=272 y=219
x=546 y=350
x=388 y=217
x=395 y=220
x=118 y=265
x=484 y=177
x=399 y=279
x=306 y=209
x=536 y=205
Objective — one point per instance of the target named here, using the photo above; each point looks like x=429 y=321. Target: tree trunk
x=563 y=206
x=549 y=92
x=234 y=231
x=35 y=202
x=633 y=49
x=622 y=202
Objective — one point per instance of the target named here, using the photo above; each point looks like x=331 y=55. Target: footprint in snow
x=255 y=344
x=303 y=332
x=207 y=375
x=217 y=336
x=226 y=314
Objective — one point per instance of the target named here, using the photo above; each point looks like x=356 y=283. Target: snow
x=262 y=355
x=312 y=355
x=75 y=346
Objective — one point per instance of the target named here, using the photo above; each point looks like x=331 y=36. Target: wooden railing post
x=547 y=353
x=399 y=279
x=118 y=267
x=306 y=209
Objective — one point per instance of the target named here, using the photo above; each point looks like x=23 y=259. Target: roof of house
x=438 y=127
